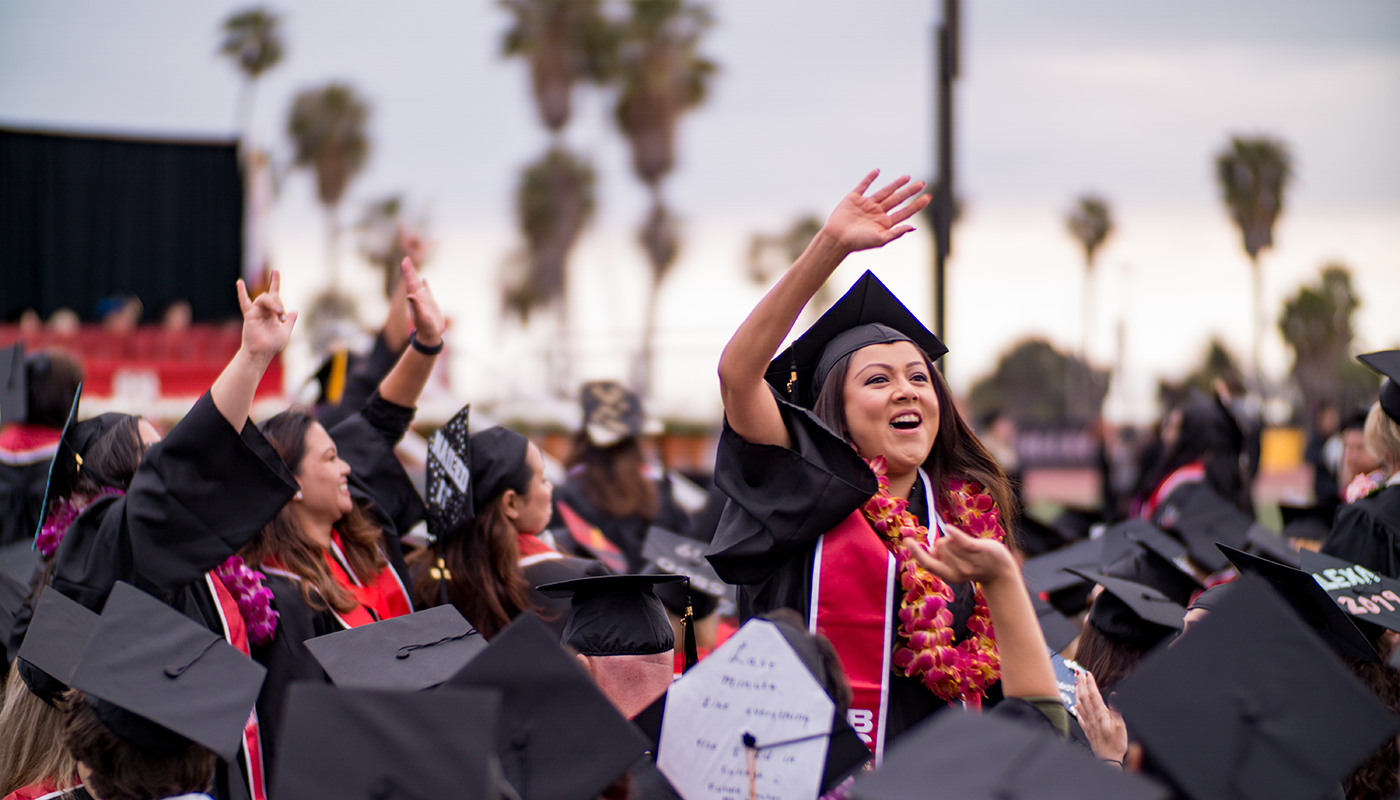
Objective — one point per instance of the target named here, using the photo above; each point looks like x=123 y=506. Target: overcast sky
x=1131 y=100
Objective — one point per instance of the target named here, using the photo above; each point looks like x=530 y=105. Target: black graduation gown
x=1367 y=532
x=198 y=497
x=21 y=498
x=380 y=487
x=781 y=501
x=628 y=533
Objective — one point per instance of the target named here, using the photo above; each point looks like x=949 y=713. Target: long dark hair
x=613 y=479
x=1376 y=777
x=282 y=537
x=1107 y=659
x=1209 y=435
x=484 y=579
x=956 y=453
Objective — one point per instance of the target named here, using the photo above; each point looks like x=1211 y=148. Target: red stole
x=236 y=631
x=1195 y=472
x=382 y=598
x=593 y=539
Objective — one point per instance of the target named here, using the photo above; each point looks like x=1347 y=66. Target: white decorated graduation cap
x=408 y=653
x=449 y=477
x=383 y=745
x=1249 y=704
x=960 y=756
x=54 y=643
x=1387 y=363
x=753 y=700
x=611 y=413
x=159 y=679
x=14 y=391
x=1365 y=595
x=868 y=313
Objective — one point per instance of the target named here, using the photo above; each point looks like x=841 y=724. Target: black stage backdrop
x=84 y=218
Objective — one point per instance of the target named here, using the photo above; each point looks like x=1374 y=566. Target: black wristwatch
x=423 y=348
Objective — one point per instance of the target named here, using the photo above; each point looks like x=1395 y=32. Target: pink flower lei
x=69 y=509
x=254 y=600
x=953 y=672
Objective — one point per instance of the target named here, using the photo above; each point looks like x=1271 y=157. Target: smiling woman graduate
x=849 y=449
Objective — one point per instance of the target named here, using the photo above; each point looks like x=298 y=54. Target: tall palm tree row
x=1090 y=222
x=1254 y=173
x=252 y=39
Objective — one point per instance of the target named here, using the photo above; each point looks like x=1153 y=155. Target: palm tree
x=327 y=128
x=565 y=41
x=1253 y=174
x=1090 y=222
x=1317 y=324
x=553 y=204
x=661 y=76
x=252 y=40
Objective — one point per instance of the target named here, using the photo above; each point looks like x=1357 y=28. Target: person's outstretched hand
x=861 y=222
x=267 y=325
x=427 y=317
x=1103 y=727
x=957 y=557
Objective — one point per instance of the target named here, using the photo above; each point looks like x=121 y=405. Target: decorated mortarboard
x=76 y=439
x=408 y=653
x=382 y=745
x=1363 y=594
x=615 y=615
x=14 y=391
x=960 y=756
x=868 y=313
x=1387 y=363
x=559 y=738
x=1250 y=704
x=1056 y=627
x=159 y=679
x=1202 y=518
x=449 y=476
x=1047 y=573
x=751 y=719
x=54 y=643
x=1132 y=613
x=611 y=413
x=1312 y=604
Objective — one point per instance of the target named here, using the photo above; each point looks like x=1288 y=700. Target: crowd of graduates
x=861 y=610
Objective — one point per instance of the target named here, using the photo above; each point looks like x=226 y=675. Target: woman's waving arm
x=267 y=325
x=860 y=222
x=406 y=380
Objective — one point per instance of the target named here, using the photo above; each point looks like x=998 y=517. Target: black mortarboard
x=1266 y=543
x=159 y=679
x=1201 y=518
x=498 y=460
x=449 y=477
x=14 y=390
x=383 y=745
x=1209 y=600
x=559 y=738
x=1387 y=363
x=1146 y=565
x=1311 y=603
x=615 y=615
x=1249 y=704
x=674 y=554
x=1035 y=537
x=1045 y=574
x=611 y=413
x=408 y=653
x=867 y=314
x=1132 y=613
x=962 y=756
x=1056 y=627
x=1305 y=522
x=1365 y=595
x=54 y=643
x=76 y=439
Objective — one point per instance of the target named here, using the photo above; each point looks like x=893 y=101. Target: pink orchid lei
x=254 y=600
x=1365 y=485
x=953 y=672
x=56 y=524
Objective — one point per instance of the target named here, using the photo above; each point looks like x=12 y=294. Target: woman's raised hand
x=267 y=324
x=427 y=317
x=1103 y=727
x=957 y=557
x=861 y=222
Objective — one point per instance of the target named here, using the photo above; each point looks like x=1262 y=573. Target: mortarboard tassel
x=692 y=656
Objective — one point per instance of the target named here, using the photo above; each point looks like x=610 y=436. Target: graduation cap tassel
x=442 y=574
x=692 y=656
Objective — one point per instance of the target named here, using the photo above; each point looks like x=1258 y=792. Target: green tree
x=565 y=41
x=662 y=75
x=327 y=128
x=1030 y=384
x=1218 y=364
x=252 y=40
x=553 y=204
x=1253 y=174
x=1316 y=324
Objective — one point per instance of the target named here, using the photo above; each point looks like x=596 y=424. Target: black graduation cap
x=449 y=477
x=408 y=653
x=1131 y=612
x=1365 y=595
x=868 y=302
x=1201 y=518
x=611 y=413
x=615 y=615
x=1272 y=546
x=960 y=756
x=1056 y=627
x=1310 y=602
x=14 y=391
x=673 y=554
x=1249 y=704
x=1148 y=565
x=1305 y=522
x=1047 y=573
x=76 y=439
x=159 y=679
x=1387 y=363
x=382 y=745
x=560 y=738
x=54 y=643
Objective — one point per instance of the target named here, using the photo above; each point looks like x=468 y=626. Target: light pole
x=941 y=209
